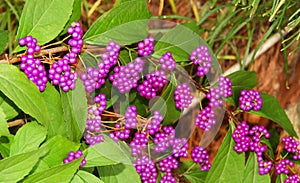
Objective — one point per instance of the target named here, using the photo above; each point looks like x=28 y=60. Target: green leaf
x=85 y=177
x=241 y=80
x=59 y=147
x=5 y=142
x=107 y=153
x=28 y=138
x=25 y=94
x=281 y=178
x=57 y=125
x=181 y=41
x=272 y=110
x=44 y=20
x=3 y=40
x=196 y=177
x=125 y=24
x=62 y=173
x=118 y=173
x=228 y=165
x=75 y=16
x=75 y=107
x=14 y=168
x=3 y=124
x=251 y=173
x=166 y=104
x=9 y=108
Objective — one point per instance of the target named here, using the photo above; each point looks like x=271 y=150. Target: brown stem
x=16 y=123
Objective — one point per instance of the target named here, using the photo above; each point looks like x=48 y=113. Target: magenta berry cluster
x=126 y=77
x=291 y=146
x=146 y=168
x=154 y=123
x=167 y=62
x=247 y=138
x=93 y=122
x=139 y=143
x=250 y=99
x=292 y=179
x=61 y=73
x=205 y=119
x=31 y=66
x=75 y=155
x=200 y=155
x=94 y=78
x=201 y=57
x=164 y=139
x=281 y=167
x=152 y=84
x=182 y=96
x=167 y=164
x=146 y=47
x=168 y=178
x=179 y=147
x=122 y=128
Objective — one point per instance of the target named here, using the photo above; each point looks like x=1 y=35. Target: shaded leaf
x=125 y=24
x=14 y=168
x=57 y=125
x=196 y=177
x=75 y=107
x=228 y=165
x=85 y=177
x=118 y=173
x=241 y=80
x=44 y=20
x=9 y=108
x=28 y=138
x=272 y=110
x=15 y=85
x=62 y=173
x=75 y=16
x=281 y=178
x=3 y=124
x=3 y=40
x=251 y=173
x=5 y=142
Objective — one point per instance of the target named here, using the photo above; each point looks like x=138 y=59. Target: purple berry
x=292 y=179
x=167 y=62
x=200 y=155
x=167 y=164
x=264 y=167
x=205 y=119
x=154 y=123
x=139 y=143
x=250 y=100
x=182 y=96
x=146 y=47
x=201 y=57
x=146 y=169
x=281 y=167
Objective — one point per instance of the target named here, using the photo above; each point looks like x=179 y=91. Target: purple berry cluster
x=291 y=146
x=167 y=62
x=281 y=167
x=122 y=128
x=154 y=123
x=61 y=73
x=179 y=147
x=75 y=155
x=94 y=78
x=164 y=139
x=250 y=139
x=31 y=66
x=126 y=77
x=201 y=57
x=205 y=119
x=146 y=47
x=139 y=143
x=152 y=84
x=93 y=123
x=167 y=164
x=182 y=96
x=250 y=99
x=200 y=155
x=292 y=179
x=168 y=178
x=146 y=169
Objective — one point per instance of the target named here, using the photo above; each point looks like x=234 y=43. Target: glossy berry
x=130 y=117
x=290 y=144
x=100 y=100
x=167 y=62
x=182 y=96
x=126 y=77
x=225 y=86
x=146 y=169
x=152 y=84
x=264 y=167
x=75 y=155
x=168 y=178
x=200 y=155
x=201 y=57
x=250 y=99
x=240 y=136
x=154 y=123
x=179 y=147
x=120 y=132
x=139 y=143
x=205 y=119
x=281 y=167
x=292 y=179
x=146 y=47
x=164 y=139
x=167 y=164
